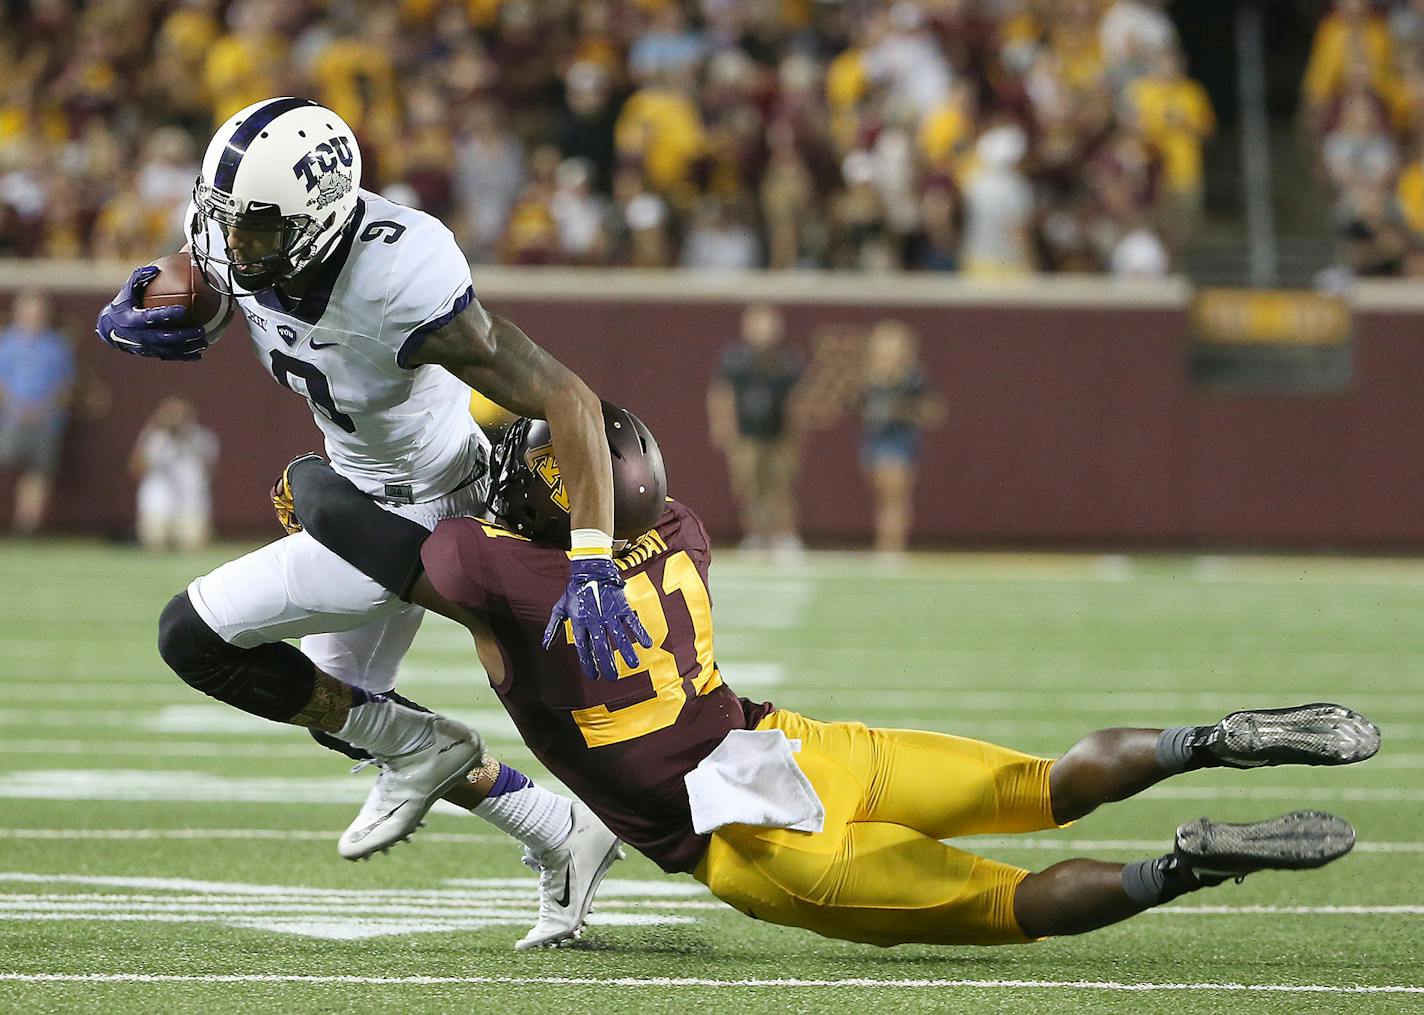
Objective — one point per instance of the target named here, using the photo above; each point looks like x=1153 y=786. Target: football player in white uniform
x=366 y=308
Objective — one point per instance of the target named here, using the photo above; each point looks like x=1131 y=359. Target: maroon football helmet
x=528 y=494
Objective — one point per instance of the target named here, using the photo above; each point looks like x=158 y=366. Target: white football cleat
x=408 y=786
x=569 y=875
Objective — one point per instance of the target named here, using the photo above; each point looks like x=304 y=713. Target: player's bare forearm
x=493 y=356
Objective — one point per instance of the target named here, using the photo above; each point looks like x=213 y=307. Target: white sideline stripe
x=1119 y=845
x=1293 y=910
x=165 y=748
x=462 y=838
x=491 y=905
x=667 y=981
x=611 y=887
x=1302 y=794
x=498 y=908
x=238 y=834
x=1215 y=703
x=339 y=927
x=340 y=914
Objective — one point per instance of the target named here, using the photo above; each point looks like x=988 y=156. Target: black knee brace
x=335 y=743
x=274 y=681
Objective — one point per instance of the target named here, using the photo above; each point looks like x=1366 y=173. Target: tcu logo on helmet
x=321 y=169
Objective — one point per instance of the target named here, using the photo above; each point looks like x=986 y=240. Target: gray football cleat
x=408 y=786
x=1316 y=734
x=1216 y=851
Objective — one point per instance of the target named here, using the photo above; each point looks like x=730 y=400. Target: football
x=181 y=283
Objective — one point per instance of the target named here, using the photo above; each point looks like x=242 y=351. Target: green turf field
x=163 y=853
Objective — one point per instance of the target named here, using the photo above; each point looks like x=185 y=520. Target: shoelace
x=546 y=882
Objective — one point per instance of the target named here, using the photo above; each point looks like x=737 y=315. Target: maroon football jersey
x=623 y=746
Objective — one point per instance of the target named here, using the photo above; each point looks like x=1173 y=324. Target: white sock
x=534 y=816
x=386 y=729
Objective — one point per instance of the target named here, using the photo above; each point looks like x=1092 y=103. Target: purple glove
x=144 y=331
x=602 y=619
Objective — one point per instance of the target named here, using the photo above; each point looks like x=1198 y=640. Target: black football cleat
x=1216 y=851
x=1316 y=734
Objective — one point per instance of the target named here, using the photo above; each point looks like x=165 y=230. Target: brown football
x=180 y=283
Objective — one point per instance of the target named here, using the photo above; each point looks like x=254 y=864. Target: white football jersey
x=397 y=432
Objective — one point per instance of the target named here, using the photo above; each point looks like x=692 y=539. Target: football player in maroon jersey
x=863 y=859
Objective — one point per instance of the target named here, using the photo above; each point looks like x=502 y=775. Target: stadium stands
x=1362 y=97
x=996 y=137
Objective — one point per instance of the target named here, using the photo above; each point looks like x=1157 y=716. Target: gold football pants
x=878 y=872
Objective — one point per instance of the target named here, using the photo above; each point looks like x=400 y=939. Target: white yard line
x=979 y=843
x=236 y=834
x=660 y=981
x=1291 y=910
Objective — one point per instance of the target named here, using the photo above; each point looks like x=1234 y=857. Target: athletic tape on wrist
x=590 y=543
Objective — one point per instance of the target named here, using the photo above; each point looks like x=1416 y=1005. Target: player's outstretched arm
x=496 y=358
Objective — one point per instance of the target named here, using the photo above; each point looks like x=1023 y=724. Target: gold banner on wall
x=1278 y=317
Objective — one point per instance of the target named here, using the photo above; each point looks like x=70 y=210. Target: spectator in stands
x=861 y=234
x=669 y=47
x=720 y=239
x=938 y=248
x=532 y=236
x=752 y=417
x=650 y=243
x=176 y=72
x=763 y=104
x=130 y=228
x=36 y=384
x=580 y=214
x=1352 y=31
x=1126 y=176
x=789 y=206
x=906 y=60
x=173 y=462
x=167 y=168
x=245 y=65
x=998 y=208
x=896 y=176
x=1406 y=25
x=1175 y=115
x=1133 y=34
x=896 y=406
x=423 y=158
x=349 y=58
x=584 y=128
x=660 y=129
x=1360 y=153
x=489 y=175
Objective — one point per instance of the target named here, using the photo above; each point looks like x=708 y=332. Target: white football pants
x=350 y=626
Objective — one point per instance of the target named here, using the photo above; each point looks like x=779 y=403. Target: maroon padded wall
x=1066 y=425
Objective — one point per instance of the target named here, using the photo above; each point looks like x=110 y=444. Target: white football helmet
x=285 y=167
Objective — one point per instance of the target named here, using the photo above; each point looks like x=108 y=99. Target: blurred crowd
x=1363 y=106
x=995 y=137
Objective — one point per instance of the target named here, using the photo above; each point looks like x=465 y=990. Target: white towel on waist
x=752 y=779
